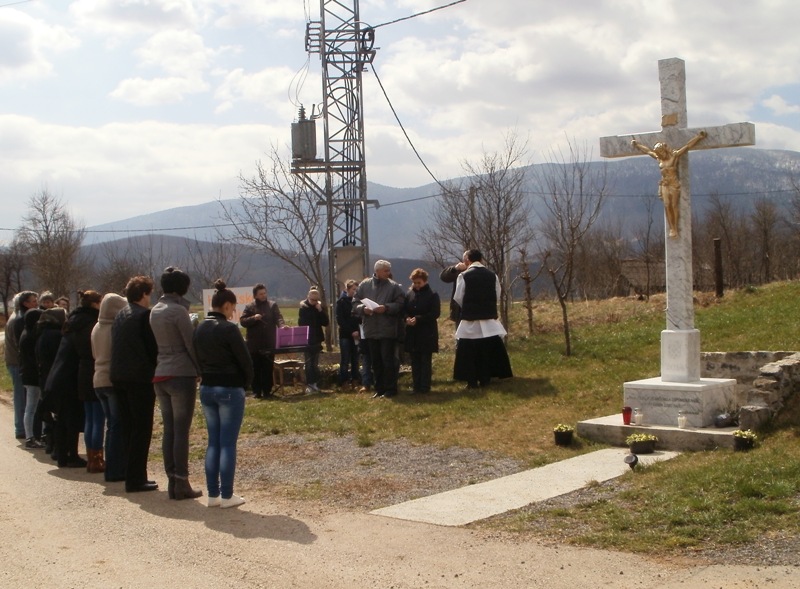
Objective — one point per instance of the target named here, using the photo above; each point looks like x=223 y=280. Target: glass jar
x=638 y=418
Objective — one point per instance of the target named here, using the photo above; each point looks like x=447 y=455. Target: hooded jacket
x=111 y=304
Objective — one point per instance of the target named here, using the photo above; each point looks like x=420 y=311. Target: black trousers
x=263 y=363
x=137 y=403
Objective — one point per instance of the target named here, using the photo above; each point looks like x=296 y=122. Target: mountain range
x=739 y=174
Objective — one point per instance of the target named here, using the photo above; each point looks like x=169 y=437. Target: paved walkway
x=475 y=502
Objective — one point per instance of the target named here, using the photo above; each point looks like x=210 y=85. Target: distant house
x=634 y=274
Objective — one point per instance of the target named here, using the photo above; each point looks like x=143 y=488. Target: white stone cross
x=680 y=342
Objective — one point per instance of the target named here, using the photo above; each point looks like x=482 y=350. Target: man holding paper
x=379 y=302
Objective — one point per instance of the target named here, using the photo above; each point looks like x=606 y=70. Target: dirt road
x=65 y=528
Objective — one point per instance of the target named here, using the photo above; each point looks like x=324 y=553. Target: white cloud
x=267 y=88
x=121 y=170
x=27 y=45
x=779 y=106
x=157 y=91
x=122 y=18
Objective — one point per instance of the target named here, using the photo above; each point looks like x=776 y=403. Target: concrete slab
x=610 y=430
x=475 y=502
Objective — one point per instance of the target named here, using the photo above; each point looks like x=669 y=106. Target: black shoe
x=34 y=443
x=377 y=395
x=257 y=396
x=388 y=395
x=141 y=488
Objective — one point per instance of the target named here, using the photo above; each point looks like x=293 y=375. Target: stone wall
x=764 y=381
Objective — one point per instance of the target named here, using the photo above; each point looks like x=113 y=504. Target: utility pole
x=345 y=47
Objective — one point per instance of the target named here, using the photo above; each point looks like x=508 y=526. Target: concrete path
x=475 y=502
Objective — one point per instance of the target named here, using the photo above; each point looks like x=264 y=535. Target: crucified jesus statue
x=669 y=187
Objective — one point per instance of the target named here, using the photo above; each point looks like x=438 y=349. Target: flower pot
x=563 y=438
x=742 y=444
x=646 y=447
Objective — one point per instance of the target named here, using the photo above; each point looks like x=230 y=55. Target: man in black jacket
x=260 y=318
x=134 y=353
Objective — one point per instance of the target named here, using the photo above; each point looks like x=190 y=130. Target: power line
x=15 y=3
x=402 y=128
x=391 y=22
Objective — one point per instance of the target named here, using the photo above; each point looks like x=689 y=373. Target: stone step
x=610 y=430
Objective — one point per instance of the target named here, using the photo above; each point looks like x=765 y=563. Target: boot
x=183 y=490
x=95 y=463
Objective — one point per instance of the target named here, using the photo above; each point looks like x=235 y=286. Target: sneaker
x=33 y=443
x=214 y=501
x=310 y=391
x=314 y=386
x=233 y=501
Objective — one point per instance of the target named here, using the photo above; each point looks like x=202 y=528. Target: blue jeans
x=224 y=411
x=32 y=395
x=19 y=400
x=176 y=398
x=114 y=445
x=93 y=425
x=348 y=363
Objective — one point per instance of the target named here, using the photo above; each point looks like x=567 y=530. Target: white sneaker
x=214 y=501
x=233 y=501
x=310 y=390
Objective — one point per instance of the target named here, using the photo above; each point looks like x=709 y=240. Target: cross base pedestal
x=700 y=401
x=680 y=355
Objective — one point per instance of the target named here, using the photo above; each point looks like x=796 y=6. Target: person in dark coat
x=315 y=316
x=29 y=371
x=422 y=310
x=134 y=353
x=69 y=388
x=81 y=322
x=260 y=318
x=449 y=276
x=349 y=335
x=50 y=326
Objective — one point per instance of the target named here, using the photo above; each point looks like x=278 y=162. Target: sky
x=126 y=107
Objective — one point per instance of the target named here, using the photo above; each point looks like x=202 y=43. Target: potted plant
x=641 y=443
x=744 y=440
x=563 y=434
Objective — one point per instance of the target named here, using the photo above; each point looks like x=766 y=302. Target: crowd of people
x=100 y=368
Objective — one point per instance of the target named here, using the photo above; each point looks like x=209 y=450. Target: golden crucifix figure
x=669 y=187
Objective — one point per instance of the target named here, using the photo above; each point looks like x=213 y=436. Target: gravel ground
x=337 y=474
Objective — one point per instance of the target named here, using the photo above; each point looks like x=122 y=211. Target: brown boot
x=183 y=490
x=95 y=463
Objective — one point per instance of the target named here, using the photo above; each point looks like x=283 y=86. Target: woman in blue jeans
x=226 y=370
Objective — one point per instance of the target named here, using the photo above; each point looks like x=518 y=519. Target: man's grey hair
x=383 y=264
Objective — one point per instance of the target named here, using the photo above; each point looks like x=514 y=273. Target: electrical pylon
x=345 y=47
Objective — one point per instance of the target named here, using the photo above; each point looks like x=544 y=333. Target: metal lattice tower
x=345 y=46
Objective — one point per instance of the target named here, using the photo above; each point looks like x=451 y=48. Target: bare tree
x=489 y=211
x=53 y=240
x=205 y=262
x=279 y=215
x=724 y=221
x=765 y=220
x=574 y=194
x=649 y=244
x=12 y=264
